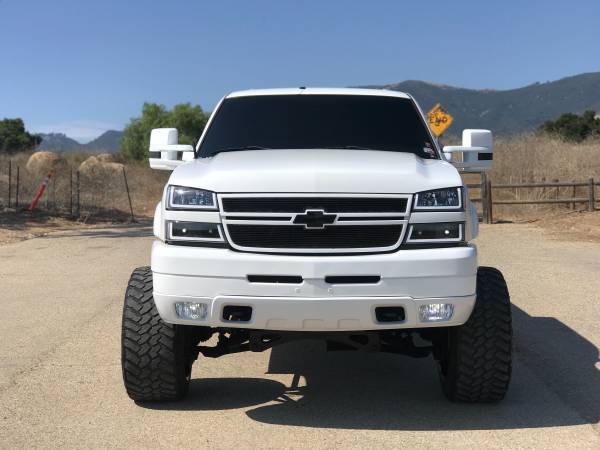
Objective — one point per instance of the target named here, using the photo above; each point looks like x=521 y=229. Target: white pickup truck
x=326 y=214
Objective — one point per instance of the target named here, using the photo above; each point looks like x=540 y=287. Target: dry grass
x=102 y=193
x=526 y=158
x=533 y=158
x=537 y=158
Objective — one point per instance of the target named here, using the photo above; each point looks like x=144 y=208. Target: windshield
x=316 y=122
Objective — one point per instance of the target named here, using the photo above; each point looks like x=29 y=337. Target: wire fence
x=107 y=191
x=119 y=192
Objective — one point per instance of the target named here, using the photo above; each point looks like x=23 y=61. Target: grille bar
x=298 y=237
x=327 y=204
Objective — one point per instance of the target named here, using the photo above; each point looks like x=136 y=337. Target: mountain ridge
x=109 y=141
x=509 y=111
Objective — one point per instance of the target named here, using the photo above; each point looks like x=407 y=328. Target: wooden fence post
x=71 y=191
x=9 y=181
x=54 y=193
x=17 y=189
x=490 y=215
x=47 y=192
x=77 y=189
x=591 y=196
x=484 y=198
x=128 y=195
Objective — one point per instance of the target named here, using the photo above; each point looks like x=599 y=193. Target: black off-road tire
x=156 y=357
x=475 y=363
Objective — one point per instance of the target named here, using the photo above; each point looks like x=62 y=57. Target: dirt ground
x=61 y=386
x=577 y=225
x=19 y=227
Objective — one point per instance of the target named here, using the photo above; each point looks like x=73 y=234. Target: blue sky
x=81 y=67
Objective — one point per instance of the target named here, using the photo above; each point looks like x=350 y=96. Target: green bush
x=572 y=127
x=188 y=119
x=14 y=138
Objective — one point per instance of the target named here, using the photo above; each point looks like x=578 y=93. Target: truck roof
x=318 y=91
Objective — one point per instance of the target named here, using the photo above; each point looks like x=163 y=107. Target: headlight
x=448 y=198
x=423 y=233
x=194 y=231
x=179 y=197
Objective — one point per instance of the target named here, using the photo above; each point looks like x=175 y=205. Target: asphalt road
x=60 y=373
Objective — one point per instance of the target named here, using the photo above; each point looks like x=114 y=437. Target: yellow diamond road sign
x=439 y=119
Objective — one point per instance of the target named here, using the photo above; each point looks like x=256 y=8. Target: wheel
x=156 y=357
x=475 y=359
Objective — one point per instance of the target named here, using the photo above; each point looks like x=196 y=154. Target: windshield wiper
x=239 y=149
x=349 y=147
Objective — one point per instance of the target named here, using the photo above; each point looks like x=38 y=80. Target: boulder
x=95 y=166
x=105 y=157
x=40 y=163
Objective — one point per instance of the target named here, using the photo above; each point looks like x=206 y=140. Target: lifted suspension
x=241 y=340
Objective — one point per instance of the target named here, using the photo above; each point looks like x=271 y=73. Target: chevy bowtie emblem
x=314 y=218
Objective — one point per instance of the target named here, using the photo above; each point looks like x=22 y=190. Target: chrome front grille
x=314 y=223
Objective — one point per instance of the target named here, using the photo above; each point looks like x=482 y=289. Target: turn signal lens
x=435 y=232
x=194 y=231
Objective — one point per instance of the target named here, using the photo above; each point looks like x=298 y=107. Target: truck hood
x=333 y=171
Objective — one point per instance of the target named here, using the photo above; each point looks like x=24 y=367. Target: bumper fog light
x=191 y=310
x=436 y=312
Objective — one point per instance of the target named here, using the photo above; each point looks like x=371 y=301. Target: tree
x=188 y=119
x=14 y=138
x=572 y=127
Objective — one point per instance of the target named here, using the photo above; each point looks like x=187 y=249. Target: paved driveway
x=60 y=374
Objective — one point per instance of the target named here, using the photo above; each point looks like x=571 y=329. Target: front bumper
x=219 y=277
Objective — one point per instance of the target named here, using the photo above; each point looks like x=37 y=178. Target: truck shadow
x=556 y=382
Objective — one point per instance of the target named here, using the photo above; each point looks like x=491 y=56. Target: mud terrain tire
x=156 y=357
x=476 y=359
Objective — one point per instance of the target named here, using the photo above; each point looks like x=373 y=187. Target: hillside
x=109 y=141
x=58 y=142
x=510 y=111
